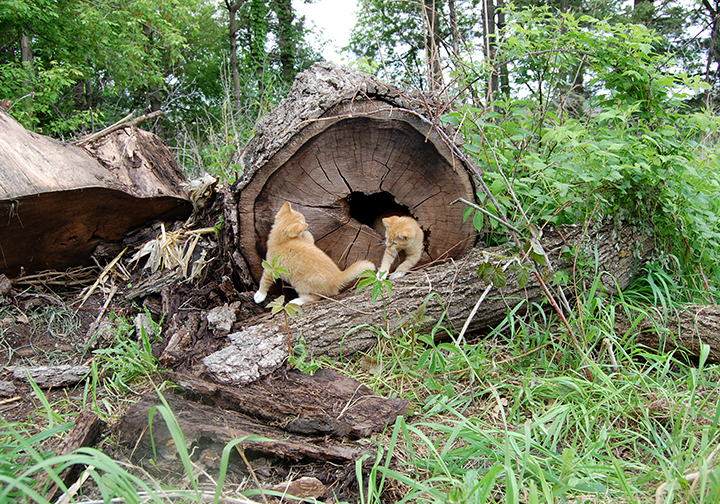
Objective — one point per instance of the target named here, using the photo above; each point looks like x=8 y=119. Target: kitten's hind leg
x=303 y=298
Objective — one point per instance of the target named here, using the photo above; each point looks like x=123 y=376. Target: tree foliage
x=69 y=66
x=633 y=149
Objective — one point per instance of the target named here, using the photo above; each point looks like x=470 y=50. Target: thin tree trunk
x=713 y=50
x=490 y=47
x=432 y=22
x=499 y=29
x=285 y=16
x=154 y=93
x=234 y=66
x=454 y=28
x=27 y=64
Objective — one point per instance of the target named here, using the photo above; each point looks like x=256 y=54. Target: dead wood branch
x=685 y=330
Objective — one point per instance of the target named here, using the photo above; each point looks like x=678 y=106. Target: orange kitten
x=402 y=233
x=310 y=271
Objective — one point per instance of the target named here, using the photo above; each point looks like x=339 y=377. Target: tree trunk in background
x=285 y=16
x=27 y=63
x=499 y=29
x=490 y=47
x=433 y=37
x=234 y=67
x=154 y=92
x=257 y=30
x=643 y=11
x=713 y=56
x=454 y=28
x=26 y=52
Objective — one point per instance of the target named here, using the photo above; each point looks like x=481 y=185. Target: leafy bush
x=633 y=149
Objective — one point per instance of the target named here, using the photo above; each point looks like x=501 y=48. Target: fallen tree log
x=448 y=293
x=87 y=431
x=685 y=329
x=201 y=428
x=268 y=450
x=324 y=404
x=59 y=202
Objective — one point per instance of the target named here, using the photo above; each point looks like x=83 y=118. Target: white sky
x=334 y=20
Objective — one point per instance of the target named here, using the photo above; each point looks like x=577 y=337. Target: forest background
x=573 y=110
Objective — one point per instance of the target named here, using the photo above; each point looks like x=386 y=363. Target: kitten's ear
x=285 y=208
x=296 y=229
x=389 y=221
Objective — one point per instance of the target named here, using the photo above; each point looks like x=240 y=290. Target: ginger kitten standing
x=402 y=234
x=310 y=271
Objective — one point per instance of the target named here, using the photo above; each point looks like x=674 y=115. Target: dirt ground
x=45 y=322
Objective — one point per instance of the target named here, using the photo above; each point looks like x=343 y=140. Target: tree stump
x=344 y=149
x=58 y=202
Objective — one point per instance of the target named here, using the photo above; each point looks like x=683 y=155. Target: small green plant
x=130 y=359
x=301 y=359
x=218 y=226
x=381 y=286
x=276 y=271
x=289 y=311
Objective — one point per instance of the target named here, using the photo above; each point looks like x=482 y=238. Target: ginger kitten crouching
x=310 y=271
x=402 y=234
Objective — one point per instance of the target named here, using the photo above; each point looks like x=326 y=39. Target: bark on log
x=345 y=148
x=450 y=290
x=86 y=432
x=52 y=376
x=59 y=202
x=325 y=404
x=209 y=429
x=685 y=330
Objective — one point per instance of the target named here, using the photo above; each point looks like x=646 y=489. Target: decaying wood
x=52 y=376
x=59 y=202
x=449 y=291
x=122 y=123
x=345 y=148
x=325 y=404
x=86 y=432
x=209 y=429
x=686 y=329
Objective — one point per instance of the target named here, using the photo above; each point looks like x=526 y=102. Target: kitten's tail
x=351 y=273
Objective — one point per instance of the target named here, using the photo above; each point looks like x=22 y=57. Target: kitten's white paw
x=259 y=297
x=395 y=276
x=381 y=275
x=297 y=301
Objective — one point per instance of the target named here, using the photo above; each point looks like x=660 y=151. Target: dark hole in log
x=365 y=208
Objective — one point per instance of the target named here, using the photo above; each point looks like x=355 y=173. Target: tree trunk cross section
x=360 y=160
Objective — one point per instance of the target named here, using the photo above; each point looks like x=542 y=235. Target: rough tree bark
x=685 y=330
x=345 y=148
x=58 y=202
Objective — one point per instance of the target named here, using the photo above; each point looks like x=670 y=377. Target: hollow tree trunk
x=344 y=148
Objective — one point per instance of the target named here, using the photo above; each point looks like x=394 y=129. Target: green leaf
x=499 y=279
x=523 y=277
